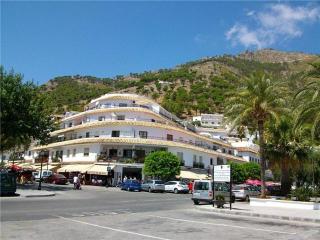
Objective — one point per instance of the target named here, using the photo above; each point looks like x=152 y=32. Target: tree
x=285 y=150
x=308 y=98
x=23 y=115
x=256 y=102
x=161 y=164
x=242 y=172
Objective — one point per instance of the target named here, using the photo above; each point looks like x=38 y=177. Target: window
x=87 y=134
x=121 y=117
x=211 y=161
x=143 y=134
x=115 y=134
x=219 y=161
x=127 y=153
x=152 y=120
x=86 y=152
x=74 y=152
x=180 y=155
x=68 y=153
x=70 y=124
x=29 y=153
x=123 y=104
x=169 y=137
x=101 y=118
x=96 y=134
x=194 y=158
x=230 y=152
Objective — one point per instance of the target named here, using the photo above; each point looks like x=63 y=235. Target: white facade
x=213 y=120
x=123 y=128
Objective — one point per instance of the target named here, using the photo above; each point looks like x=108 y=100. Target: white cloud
x=275 y=23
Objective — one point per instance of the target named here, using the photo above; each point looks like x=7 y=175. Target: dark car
x=131 y=185
x=57 y=179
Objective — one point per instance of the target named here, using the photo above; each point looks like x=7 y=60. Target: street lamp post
x=40 y=179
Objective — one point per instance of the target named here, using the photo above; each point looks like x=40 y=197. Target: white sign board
x=221 y=173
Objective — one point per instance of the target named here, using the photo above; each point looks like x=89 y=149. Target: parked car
x=45 y=174
x=153 y=186
x=57 y=179
x=244 y=192
x=203 y=191
x=131 y=185
x=176 y=187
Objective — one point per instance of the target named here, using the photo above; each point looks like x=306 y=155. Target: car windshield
x=182 y=183
x=158 y=182
x=60 y=176
x=201 y=186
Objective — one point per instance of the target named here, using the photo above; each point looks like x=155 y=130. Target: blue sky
x=46 y=39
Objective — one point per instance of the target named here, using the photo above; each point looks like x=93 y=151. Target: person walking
x=75 y=181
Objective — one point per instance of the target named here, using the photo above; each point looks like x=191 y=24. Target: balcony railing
x=173 y=118
x=178 y=140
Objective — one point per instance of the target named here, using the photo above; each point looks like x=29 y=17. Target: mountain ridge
x=187 y=89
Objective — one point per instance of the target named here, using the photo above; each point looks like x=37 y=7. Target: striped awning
x=99 y=169
x=82 y=168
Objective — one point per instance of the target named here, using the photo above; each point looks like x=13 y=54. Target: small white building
x=213 y=120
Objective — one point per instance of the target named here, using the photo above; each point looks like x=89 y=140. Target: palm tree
x=308 y=101
x=255 y=103
x=285 y=150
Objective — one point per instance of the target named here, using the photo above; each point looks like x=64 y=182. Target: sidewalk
x=244 y=209
x=34 y=193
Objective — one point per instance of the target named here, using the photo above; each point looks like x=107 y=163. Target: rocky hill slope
x=190 y=88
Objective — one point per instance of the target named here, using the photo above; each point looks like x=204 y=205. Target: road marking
x=222 y=225
x=112 y=229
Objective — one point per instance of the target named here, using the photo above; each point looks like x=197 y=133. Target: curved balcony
x=151 y=140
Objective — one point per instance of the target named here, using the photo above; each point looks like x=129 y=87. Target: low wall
x=257 y=202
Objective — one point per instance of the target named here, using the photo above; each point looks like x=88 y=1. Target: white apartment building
x=212 y=120
x=117 y=131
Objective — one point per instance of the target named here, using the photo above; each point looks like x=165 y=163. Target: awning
x=192 y=175
x=45 y=167
x=82 y=168
x=99 y=169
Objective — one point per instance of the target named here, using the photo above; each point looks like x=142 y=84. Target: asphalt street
x=100 y=213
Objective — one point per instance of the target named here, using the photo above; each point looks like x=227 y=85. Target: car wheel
x=150 y=190
x=196 y=202
x=247 y=199
x=175 y=191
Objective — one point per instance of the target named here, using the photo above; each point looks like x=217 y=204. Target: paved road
x=99 y=213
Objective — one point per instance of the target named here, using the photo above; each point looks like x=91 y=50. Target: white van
x=44 y=175
x=203 y=191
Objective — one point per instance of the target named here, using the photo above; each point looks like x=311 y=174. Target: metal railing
x=178 y=140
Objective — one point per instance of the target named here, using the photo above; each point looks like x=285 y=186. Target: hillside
x=190 y=88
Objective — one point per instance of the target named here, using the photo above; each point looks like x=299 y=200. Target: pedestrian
x=75 y=181
x=125 y=179
x=79 y=181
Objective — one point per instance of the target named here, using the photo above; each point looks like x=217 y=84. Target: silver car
x=244 y=192
x=153 y=186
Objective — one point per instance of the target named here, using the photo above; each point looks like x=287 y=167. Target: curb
x=43 y=195
x=259 y=215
